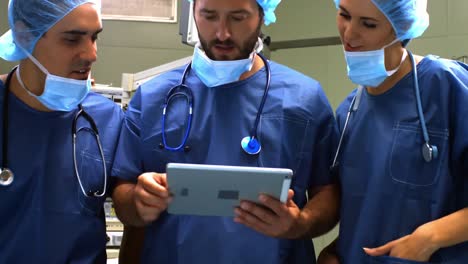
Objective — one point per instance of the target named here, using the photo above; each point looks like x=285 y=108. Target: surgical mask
x=367 y=68
x=60 y=94
x=215 y=73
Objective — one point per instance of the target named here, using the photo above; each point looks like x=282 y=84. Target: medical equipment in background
x=115 y=94
x=463 y=58
x=187 y=28
x=131 y=81
x=114 y=230
x=429 y=152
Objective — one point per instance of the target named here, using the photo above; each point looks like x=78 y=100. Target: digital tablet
x=215 y=190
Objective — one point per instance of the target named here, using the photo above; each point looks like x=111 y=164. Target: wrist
x=302 y=225
x=430 y=235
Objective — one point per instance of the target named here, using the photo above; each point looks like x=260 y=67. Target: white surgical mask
x=367 y=68
x=215 y=73
x=60 y=94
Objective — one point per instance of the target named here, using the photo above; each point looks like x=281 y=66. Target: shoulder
x=436 y=66
x=99 y=105
x=163 y=81
x=343 y=108
x=292 y=76
x=299 y=91
x=437 y=73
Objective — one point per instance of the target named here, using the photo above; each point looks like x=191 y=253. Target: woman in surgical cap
x=403 y=155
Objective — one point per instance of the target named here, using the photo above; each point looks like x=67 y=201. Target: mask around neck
x=216 y=73
x=367 y=68
x=60 y=94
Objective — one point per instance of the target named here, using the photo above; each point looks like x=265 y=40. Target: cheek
x=341 y=29
x=340 y=24
x=206 y=29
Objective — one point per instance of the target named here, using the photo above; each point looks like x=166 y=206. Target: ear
x=23 y=35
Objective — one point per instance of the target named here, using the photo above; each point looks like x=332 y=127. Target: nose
x=223 y=30
x=89 y=52
x=351 y=35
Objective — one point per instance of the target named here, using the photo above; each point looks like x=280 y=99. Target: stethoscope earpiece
x=251 y=146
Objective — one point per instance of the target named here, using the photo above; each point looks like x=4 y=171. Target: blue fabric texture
x=45 y=217
x=409 y=18
x=297 y=130
x=388 y=190
x=29 y=20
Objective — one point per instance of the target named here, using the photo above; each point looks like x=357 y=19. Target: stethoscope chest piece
x=251 y=145
x=429 y=152
x=6 y=177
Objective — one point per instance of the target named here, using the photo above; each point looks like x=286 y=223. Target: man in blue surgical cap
x=53 y=184
x=404 y=159
x=228 y=80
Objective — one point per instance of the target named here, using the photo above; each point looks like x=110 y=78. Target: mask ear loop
x=35 y=61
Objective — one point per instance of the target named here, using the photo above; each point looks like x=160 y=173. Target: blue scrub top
x=44 y=216
x=388 y=188
x=297 y=130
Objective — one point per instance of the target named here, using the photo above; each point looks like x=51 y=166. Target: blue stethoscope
x=7 y=175
x=429 y=152
x=249 y=144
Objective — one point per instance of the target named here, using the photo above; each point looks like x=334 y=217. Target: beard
x=244 y=48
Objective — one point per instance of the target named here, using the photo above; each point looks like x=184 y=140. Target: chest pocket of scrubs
x=407 y=165
x=156 y=157
x=282 y=140
x=91 y=172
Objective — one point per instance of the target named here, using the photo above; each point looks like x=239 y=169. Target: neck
x=257 y=65
x=31 y=80
x=391 y=81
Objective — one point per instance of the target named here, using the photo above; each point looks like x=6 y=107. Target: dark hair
x=260 y=9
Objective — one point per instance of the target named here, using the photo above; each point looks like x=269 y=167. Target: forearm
x=321 y=213
x=449 y=230
x=124 y=204
x=329 y=254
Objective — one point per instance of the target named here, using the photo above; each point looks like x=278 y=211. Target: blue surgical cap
x=269 y=7
x=29 y=20
x=409 y=18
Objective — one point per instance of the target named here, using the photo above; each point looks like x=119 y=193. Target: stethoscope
x=250 y=144
x=429 y=152
x=7 y=175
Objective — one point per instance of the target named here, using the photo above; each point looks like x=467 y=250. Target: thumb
x=379 y=251
x=290 y=201
x=160 y=178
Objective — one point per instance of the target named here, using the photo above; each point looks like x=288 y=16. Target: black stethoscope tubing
x=81 y=113
x=6 y=175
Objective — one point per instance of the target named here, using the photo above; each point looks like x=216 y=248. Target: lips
x=81 y=74
x=348 y=47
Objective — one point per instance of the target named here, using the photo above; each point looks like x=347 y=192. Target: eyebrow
x=80 y=32
x=240 y=11
x=362 y=18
